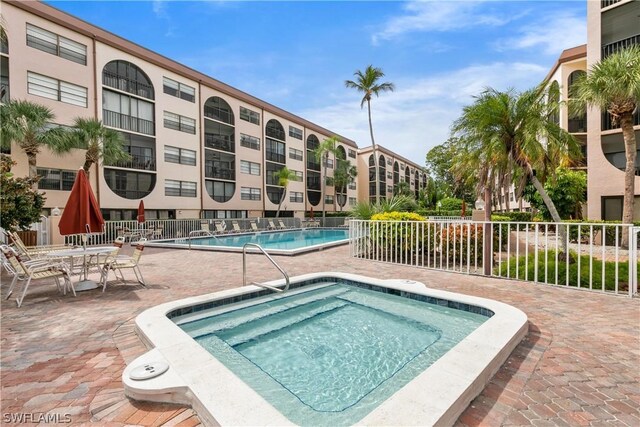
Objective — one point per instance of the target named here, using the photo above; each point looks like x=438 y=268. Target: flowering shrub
x=457 y=239
x=394 y=233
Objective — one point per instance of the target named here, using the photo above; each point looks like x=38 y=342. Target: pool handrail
x=244 y=268
x=201 y=232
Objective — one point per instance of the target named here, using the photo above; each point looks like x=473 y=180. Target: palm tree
x=613 y=84
x=29 y=125
x=505 y=131
x=329 y=145
x=367 y=82
x=99 y=141
x=343 y=175
x=284 y=176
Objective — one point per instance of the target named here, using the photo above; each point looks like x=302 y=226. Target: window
x=275 y=150
x=272 y=169
x=127 y=112
x=296 y=133
x=389 y=162
x=295 y=154
x=249 y=116
x=352 y=153
x=178 y=122
x=128 y=184
x=250 y=168
x=179 y=155
x=328 y=181
x=297 y=176
x=328 y=199
x=220 y=191
x=328 y=163
x=179 y=188
x=352 y=201
x=352 y=186
x=275 y=130
x=54 y=44
x=296 y=197
x=56 y=179
x=249 y=141
x=389 y=189
x=179 y=90
x=57 y=90
x=389 y=175
x=127 y=77
x=218 y=109
x=249 y=193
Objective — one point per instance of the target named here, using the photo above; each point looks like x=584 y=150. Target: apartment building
x=392 y=170
x=199 y=147
x=611 y=25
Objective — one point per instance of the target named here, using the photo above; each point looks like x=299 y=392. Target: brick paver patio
x=579 y=365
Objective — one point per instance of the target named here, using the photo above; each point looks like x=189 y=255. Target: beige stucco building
x=199 y=147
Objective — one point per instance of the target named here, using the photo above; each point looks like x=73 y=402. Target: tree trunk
x=87 y=166
x=562 y=231
x=375 y=152
x=33 y=169
x=488 y=233
x=324 y=186
x=630 y=148
x=284 y=193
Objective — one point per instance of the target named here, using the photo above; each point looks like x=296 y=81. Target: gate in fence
x=594 y=256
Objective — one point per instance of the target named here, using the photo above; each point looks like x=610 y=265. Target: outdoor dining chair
x=119 y=263
x=43 y=269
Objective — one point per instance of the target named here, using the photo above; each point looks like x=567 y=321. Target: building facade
x=611 y=25
x=198 y=147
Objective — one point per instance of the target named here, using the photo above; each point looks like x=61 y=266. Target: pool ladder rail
x=244 y=269
x=199 y=233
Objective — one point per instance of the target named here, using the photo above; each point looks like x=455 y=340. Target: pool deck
x=579 y=365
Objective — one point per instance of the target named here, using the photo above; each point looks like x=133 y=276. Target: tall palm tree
x=613 y=84
x=29 y=125
x=326 y=147
x=368 y=82
x=504 y=131
x=343 y=175
x=284 y=176
x=99 y=141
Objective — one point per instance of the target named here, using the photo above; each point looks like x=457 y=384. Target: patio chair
x=282 y=225
x=220 y=228
x=272 y=226
x=32 y=251
x=254 y=226
x=236 y=227
x=119 y=263
x=44 y=269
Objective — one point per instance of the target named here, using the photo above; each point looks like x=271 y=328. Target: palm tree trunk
x=324 y=186
x=630 y=148
x=87 y=166
x=562 y=231
x=284 y=193
x=375 y=153
x=33 y=169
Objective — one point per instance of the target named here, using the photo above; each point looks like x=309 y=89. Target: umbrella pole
x=85 y=284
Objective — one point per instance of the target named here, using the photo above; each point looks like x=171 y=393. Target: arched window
x=314 y=182
x=218 y=109
x=127 y=77
x=4 y=66
x=407 y=175
x=274 y=129
x=396 y=173
x=382 y=177
x=577 y=123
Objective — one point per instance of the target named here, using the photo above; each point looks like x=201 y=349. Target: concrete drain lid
x=148 y=371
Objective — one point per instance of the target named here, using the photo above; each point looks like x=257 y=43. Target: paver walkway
x=579 y=365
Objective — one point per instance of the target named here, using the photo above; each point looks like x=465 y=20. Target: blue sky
x=297 y=55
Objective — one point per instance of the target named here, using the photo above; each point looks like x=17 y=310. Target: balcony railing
x=313 y=165
x=275 y=133
x=220 y=142
x=275 y=157
x=219 y=173
x=147 y=163
x=611 y=48
x=607 y=3
x=127 y=85
x=607 y=121
x=126 y=122
x=217 y=113
x=578 y=125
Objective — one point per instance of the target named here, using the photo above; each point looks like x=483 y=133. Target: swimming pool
x=289 y=242
x=336 y=349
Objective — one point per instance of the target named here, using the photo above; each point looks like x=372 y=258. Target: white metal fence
x=599 y=257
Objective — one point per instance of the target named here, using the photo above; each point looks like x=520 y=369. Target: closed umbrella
x=81 y=214
x=141 y=212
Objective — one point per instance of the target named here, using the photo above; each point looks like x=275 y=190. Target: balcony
x=275 y=133
x=312 y=165
x=127 y=85
x=211 y=171
x=275 y=157
x=607 y=121
x=147 y=163
x=607 y=3
x=217 y=113
x=219 y=142
x=611 y=48
x=126 y=122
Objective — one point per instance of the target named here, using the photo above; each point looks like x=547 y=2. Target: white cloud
x=422 y=16
x=556 y=33
x=159 y=7
x=418 y=115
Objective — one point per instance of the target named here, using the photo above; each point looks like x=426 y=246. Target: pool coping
x=289 y=252
x=437 y=396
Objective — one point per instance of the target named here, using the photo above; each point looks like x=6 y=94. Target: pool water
x=286 y=240
x=330 y=355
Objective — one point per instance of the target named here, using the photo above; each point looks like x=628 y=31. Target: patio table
x=84 y=284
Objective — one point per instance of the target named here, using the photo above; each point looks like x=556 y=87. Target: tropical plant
x=20 y=204
x=439 y=162
x=613 y=84
x=100 y=142
x=29 y=125
x=366 y=210
x=451 y=204
x=283 y=176
x=568 y=191
x=343 y=175
x=368 y=82
x=403 y=189
x=326 y=147
x=505 y=132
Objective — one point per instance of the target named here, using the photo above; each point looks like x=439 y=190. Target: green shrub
x=458 y=239
x=431 y=212
x=451 y=204
x=518 y=216
x=391 y=237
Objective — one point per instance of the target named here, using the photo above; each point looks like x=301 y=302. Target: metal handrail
x=244 y=269
x=203 y=232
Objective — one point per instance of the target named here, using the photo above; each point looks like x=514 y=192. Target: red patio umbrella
x=311 y=212
x=141 y=212
x=81 y=214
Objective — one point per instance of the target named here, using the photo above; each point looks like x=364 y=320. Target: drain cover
x=148 y=371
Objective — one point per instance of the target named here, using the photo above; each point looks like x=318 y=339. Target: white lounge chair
x=115 y=262
x=236 y=227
